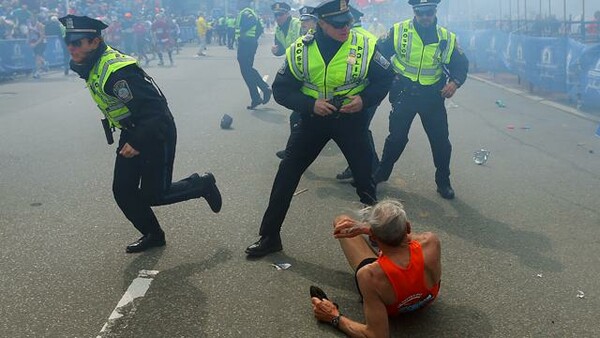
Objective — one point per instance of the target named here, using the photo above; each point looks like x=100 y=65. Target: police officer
x=308 y=23
x=430 y=67
x=287 y=30
x=357 y=27
x=248 y=30
x=330 y=78
x=130 y=100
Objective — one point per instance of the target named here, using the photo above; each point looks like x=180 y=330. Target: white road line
x=137 y=289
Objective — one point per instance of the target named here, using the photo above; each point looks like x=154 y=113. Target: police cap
x=423 y=4
x=79 y=27
x=336 y=11
x=356 y=13
x=280 y=7
x=306 y=13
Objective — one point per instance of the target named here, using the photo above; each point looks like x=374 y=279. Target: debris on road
x=598 y=131
x=281 y=266
x=500 y=104
x=580 y=294
x=539 y=275
x=481 y=156
x=226 y=121
x=300 y=192
x=510 y=126
x=526 y=127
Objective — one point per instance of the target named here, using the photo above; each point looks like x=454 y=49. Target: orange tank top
x=409 y=282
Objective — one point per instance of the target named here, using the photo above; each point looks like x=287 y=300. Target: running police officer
x=247 y=31
x=130 y=100
x=287 y=30
x=331 y=78
x=430 y=67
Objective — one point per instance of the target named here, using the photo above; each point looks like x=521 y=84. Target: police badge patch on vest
x=122 y=91
x=283 y=68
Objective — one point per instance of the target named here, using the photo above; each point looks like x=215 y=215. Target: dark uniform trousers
x=350 y=133
x=432 y=111
x=245 y=56
x=145 y=180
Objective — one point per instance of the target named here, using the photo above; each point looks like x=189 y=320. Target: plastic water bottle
x=481 y=156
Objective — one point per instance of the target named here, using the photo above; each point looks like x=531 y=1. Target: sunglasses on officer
x=279 y=14
x=424 y=12
x=340 y=25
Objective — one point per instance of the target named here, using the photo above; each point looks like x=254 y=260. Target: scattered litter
x=580 y=294
x=500 y=104
x=580 y=144
x=300 y=192
x=526 y=127
x=539 y=275
x=590 y=151
x=481 y=156
x=281 y=266
x=451 y=104
x=510 y=126
x=226 y=121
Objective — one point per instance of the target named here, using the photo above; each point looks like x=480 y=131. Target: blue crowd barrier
x=17 y=55
x=558 y=64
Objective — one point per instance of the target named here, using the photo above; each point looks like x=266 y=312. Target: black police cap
x=356 y=13
x=334 y=11
x=79 y=27
x=280 y=7
x=306 y=13
x=423 y=3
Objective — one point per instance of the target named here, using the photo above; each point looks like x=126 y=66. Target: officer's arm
x=458 y=66
x=280 y=48
x=147 y=106
x=380 y=78
x=286 y=92
x=386 y=44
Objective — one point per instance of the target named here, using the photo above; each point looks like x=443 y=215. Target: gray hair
x=388 y=221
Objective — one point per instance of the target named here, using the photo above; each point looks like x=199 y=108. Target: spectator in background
x=127 y=32
x=37 y=41
x=201 y=28
x=23 y=18
x=593 y=29
x=7 y=28
x=55 y=28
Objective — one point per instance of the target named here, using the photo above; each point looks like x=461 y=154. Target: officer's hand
x=275 y=49
x=323 y=108
x=128 y=151
x=355 y=105
x=449 y=89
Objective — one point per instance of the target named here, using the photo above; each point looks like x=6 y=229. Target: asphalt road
x=519 y=242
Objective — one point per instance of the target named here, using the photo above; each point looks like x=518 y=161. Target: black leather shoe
x=446 y=191
x=146 y=242
x=253 y=105
x=264 y=246
x=211 y=192
x=280 y=154
x=267 y=96
x=344 y=175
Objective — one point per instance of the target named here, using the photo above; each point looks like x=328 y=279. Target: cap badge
x=70 y=23
x=343 y=5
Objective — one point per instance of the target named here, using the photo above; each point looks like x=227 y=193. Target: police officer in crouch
x=331 y=79
x=130 y=101
x=430 y=67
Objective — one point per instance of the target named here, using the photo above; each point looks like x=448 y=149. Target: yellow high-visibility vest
x=292 y=35
x=251 y=33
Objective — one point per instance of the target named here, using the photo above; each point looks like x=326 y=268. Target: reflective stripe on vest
x=363 y=31
x=417 y=62
x=292 y=34
x=346 y=73
x=251 y=33
x=111 y=107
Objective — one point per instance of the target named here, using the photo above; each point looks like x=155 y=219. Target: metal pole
x=518 y=14
x=565 y=16
x=500 y=5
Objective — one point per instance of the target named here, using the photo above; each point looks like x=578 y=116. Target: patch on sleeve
x=283 y=68
x=122 y=91
x=381 y=60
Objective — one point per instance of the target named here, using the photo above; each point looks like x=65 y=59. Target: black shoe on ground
x=264 y=246
x=146 y=242
x=344 y=175
x=253 y=105
x=211 y=192
x=280 y=154
x=267 y=96
x=446 y=191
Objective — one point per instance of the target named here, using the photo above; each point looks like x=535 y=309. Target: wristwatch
x=335 y=322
